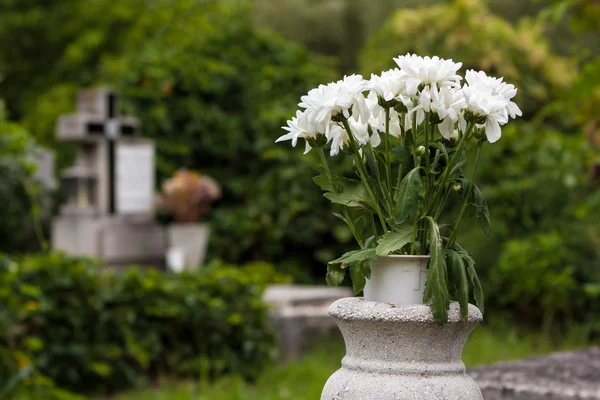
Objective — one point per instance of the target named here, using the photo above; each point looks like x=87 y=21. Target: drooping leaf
x=358 y=262
x=481 y=210
x=335 y=274
x=393 y=241
x=473 y=278
x=407 y=197
x=436 y=290
x=479 y=207
x=458 y=275
x=358 y=276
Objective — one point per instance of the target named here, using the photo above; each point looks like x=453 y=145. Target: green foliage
x=213 y=92
x=544 y=248
x=466 y=31
x=19 y=192
x=94 y=331
x=536 y=273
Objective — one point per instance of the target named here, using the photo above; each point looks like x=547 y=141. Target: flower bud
x=421 y=150
x=457 y=187
x=386 y=103
x=400 y=108
x=479 y=133
x=477 y=119
x=318 y=141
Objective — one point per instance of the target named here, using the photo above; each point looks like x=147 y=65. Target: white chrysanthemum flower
x=489 y=99
x=360 y=131
x=341 y=97
x=390 y=85
x=298 y=127
x=338 y=137
x=428 y=71
x=446 y=103
x=491 y=108
x=497 y=86
x=377 y=116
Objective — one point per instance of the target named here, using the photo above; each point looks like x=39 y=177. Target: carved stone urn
x=398 y=352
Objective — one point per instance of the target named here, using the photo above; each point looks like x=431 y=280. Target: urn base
x=400 y=353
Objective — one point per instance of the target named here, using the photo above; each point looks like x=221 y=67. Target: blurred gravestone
x=571 y=375
x=300 y=312
x=44 y=161
x=110 y=190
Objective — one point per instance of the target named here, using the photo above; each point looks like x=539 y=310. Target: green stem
x=325 y=166
x=466 y=201
x=455 y=157
x=363 y=175
x=388 y=163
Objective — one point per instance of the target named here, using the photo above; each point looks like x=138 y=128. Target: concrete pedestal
x=116 y=240
x=399 y=353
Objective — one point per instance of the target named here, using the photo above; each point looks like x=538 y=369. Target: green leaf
x=457 y=271
x=480 y=208
x=335 y=274
x=393 y=241
x=346 y=199
x=402 y=155
x=323 y=182
x=358 y=276
x=407 y=197
x=353 y=256
x=372 y=164
x=473 y=278
x=436 y=290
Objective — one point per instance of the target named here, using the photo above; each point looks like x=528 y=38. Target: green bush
x=215 y=102
x=465 y=30
x=92 y=331
x=545 y=243
x=20 y=195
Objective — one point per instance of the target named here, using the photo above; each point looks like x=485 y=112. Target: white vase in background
x=397 y=279
x=187 y=243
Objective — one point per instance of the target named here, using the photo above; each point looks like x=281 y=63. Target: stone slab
x=298 y=312
x=571 y=375
x=116 y=240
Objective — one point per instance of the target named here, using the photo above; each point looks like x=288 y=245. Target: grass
x=304 y=378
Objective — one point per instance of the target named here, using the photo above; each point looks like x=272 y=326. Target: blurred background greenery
x=212 y=82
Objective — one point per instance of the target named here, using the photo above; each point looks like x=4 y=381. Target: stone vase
x=187 y=245
x=397 y=279
x=399 y=353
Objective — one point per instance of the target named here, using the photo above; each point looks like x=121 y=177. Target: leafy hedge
x=20 y=195
x=92 y=331
x=215 y=102
x=466 y=30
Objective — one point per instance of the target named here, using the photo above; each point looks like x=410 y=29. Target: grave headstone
x=110 y=190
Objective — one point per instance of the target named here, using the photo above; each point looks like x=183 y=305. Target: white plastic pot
x=397 y=279
x=190 y=242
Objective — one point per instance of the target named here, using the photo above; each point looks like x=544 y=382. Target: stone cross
x=97 y=120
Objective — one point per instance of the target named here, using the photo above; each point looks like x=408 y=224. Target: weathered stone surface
x=568 y=375
x=400 y=353
x=300 y=311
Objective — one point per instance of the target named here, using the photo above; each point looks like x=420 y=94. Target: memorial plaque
x=134 y=170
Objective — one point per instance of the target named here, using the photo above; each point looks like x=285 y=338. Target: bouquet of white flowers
x=408 y=131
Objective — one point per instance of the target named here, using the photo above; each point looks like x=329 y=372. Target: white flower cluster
x=419 y=87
